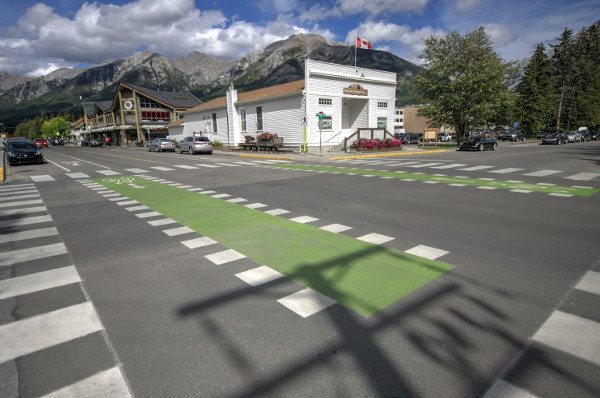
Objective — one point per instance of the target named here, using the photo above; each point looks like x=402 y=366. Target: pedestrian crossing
x=571 y=332
x=34 y=266
x=583 y=176
x=433 y=166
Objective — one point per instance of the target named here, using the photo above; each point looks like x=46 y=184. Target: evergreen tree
x=586 y=103
x=535 y=100
x=563 y=61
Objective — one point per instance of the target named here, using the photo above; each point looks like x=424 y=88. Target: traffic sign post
x=321 y=116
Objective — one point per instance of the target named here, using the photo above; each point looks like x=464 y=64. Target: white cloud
x=376 y=7
x=463 y=6
x=371 y=8
x=401 y=40
x=42 y=40
x=501 y=35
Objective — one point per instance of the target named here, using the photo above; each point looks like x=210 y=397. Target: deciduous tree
x=464 y=82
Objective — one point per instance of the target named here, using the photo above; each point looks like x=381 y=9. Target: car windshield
x=202 y=139
x=165 y=140
x=21 y=145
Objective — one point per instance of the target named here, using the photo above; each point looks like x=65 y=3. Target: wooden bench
x=249 y=144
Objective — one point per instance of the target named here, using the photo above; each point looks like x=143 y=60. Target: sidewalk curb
x=390 y=154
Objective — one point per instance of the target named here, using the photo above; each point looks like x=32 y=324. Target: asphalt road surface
x=116 y=281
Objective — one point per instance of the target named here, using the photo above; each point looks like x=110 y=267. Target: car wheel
x=494 y=146
x=480 y=147
x=149 y=148
x=191 y=150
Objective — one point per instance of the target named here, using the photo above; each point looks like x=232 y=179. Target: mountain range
x=204 y=76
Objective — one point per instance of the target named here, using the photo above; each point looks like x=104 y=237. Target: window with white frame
x=259 y=118
x=243 y=119
x=325 y=101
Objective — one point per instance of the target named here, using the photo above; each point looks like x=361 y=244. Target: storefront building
x=346 y=98
x=135 y=114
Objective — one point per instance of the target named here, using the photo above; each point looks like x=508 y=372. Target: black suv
x=513 y=136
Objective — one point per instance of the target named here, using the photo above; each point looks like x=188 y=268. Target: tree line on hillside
x=464 y=84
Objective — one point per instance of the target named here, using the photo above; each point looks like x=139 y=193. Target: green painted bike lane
x=475 y=182
x=359 y=275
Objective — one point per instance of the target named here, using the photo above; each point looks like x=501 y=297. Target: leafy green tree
x=464 y=81
x=30 y=128
x=535 y=102
x=57 y=126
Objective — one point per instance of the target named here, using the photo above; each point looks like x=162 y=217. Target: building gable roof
x=172 y=98
x=255 y=95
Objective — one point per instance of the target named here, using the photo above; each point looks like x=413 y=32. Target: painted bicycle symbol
x=120 y=180
x=124 y=180
x=72 y=163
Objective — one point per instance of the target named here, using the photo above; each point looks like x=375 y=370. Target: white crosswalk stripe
x=42 y=331
x=564 y=332
x=542 y=173
x=583 y=176
x=58 y=327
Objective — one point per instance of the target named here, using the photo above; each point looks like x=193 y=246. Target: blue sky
x=39 y=37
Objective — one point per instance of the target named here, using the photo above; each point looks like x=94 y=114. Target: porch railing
x=368 y=132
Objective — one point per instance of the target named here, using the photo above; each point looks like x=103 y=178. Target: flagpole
x=355 y=47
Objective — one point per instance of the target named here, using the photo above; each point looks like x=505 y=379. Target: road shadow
x=434 y=323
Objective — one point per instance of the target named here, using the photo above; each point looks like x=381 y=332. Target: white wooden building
x=350 y=97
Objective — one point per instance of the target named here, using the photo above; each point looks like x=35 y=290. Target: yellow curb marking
x=266 y=157
x=389 y=154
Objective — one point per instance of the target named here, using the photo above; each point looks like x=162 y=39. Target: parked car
x=94 y=142
x=586 y=135
x=542 y=134
x=23 y=151
x=161 y=145
x=444 y=137
x=513 y=136
x=478 y=144
x=40 y=142
x=554 y=139
x=596 y=135
x=196 y=144
x=412 y=138
x=402 y=137
x=573 y=136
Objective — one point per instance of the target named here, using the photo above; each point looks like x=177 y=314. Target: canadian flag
x=362 y=43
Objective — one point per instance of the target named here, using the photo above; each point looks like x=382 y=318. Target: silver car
x=572 y=136
x=161 y=145
x=196 y=144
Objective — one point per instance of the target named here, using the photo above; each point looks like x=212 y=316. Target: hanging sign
x=356 y=89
